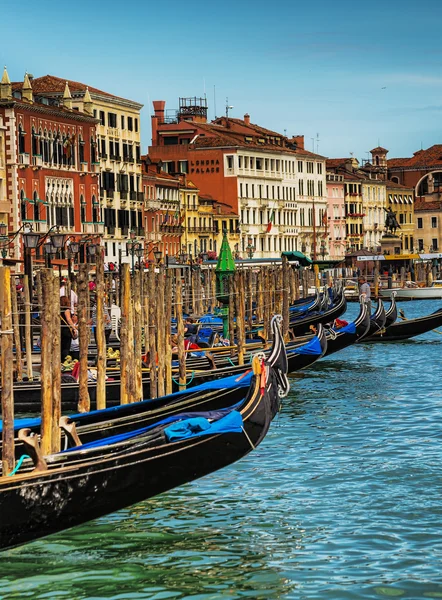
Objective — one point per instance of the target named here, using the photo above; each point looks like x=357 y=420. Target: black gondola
x=409 y=328
x=105 y=475
x=377 y=321
x=302 y=325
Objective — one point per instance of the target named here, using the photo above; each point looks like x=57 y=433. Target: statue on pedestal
x=391 y=223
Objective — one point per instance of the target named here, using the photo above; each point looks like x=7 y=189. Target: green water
x=342 y=500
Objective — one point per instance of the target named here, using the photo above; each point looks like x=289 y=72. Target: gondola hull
x=404 y=330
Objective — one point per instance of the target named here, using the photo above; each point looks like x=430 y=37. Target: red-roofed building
x=423 y=172
x=271 y=182
x=52 y=178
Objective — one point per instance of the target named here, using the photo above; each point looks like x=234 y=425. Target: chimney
x=158 y=117
x=159 y=106
x=299 y=141
x=247 y=119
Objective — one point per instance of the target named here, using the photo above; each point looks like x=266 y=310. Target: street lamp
x=73 y=248
x=183 y=258
x=4 y=239
x=250 y=249
x=323 y=251
x=157 y=254
x=30 y=242
x=49 y=251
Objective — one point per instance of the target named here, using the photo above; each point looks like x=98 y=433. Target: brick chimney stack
x=158 y=117
x=247 y=119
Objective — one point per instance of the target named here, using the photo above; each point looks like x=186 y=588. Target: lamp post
x=323 y=250
x=250 y=249
x=4 y=239
x=157 y=255
x=30 y=242
x=72 y=250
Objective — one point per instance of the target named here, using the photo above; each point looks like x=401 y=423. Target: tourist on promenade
x=365 y=290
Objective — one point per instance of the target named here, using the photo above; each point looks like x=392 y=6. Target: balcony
x=110 y=194
x=115 y=157
x=84 y=167
x=152 y=205
x=103 y=155
x=133 y=195
x=140 y=196
x=24 y=159
x=171 y=229
x=113 y=131
x=207 y=229
x=153 y=236
x=110 y=230
x=123 y=195
x=37 y=160
x=355 y=215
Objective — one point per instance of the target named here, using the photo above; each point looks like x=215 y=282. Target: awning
x=296 y=256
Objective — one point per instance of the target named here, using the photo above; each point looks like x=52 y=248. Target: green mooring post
x=224 y=270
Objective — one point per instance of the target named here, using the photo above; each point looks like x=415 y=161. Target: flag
x=166 y=217
x=271 y=221
x=324 y=218
x=177 y=214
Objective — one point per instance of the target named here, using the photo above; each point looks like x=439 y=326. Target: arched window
x=93 y=151
x=54 y=148
x=35 y=144
x=395 y=179
x=23 y=206
x=21 y=140
x=36 y=207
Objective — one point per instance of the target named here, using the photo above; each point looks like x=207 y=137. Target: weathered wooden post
x=100 y=334
x=124 y=334
x=56 y=370
x=84 y=403
x=285 y=295
x=152 y=333
x=240 y=314
x=376 y=280
x=180 y=330
x=47 y=365
x=167 y=323
x=145 y=297
x=7 y=375
x=231 y=308
x=16 y=328
x=259 y=297
x=28 y=340
x=138 y=323
x=160 y=333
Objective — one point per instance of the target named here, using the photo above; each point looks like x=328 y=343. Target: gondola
x=338 y=339
x=27 y=395
x=409 y=328
x=109 y=473
x=302 y=325
x=377 y=321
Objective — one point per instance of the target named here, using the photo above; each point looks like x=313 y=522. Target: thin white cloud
x=412 y=79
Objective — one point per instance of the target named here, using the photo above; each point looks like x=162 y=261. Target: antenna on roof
x=317 y=143
x=313 y=143
x=228 y=108
x=214 y=100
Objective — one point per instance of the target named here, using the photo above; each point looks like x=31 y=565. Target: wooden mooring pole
x=7 y=375
x=99 y=333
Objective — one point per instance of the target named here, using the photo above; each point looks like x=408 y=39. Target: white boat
x=411 y=291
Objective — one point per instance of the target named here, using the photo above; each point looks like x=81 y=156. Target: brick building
x=422 y=172
x=271 y=182
x=50 y=156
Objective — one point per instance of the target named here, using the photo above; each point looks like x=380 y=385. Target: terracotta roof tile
x=49 y=84
x=379 y=149
x=421 y=205
x=393 y=185
x=429 y=158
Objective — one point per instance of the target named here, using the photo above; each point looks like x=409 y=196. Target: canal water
x=342 y=500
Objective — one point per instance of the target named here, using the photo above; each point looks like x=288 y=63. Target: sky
x=349 y=76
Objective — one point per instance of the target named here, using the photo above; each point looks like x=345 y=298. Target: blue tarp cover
x=350 y=328
x=234 y=381
x=210 y=319
x=231 y=423
x=312 y=347
x=190 y=417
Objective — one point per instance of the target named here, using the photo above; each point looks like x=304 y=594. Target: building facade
x=116 y=155
x=275 y=186
x=422 y=173
x=51 y=176
x=336 y=215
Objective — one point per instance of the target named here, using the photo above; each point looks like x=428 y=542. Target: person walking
x=365 y=290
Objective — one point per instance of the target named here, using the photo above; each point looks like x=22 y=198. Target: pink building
x=336 y=215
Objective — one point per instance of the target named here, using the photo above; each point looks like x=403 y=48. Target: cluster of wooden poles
x=148 y=301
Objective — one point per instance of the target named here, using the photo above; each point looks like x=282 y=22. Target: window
x=136 y=124
x=21 y=140
x=433 y=222
x=130 y=125
x=102 y=117
x=419 y=223
x=434 y=244
x=309 y=167
x=229 y=162
x=259 y=164
x=103 y=148
x=420 y=245
x=301 y=187
x=123 y=126
x=111 y=119
x=300 y=166
x=319 y=168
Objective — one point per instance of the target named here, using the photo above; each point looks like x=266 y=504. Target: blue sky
x=357 y=74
